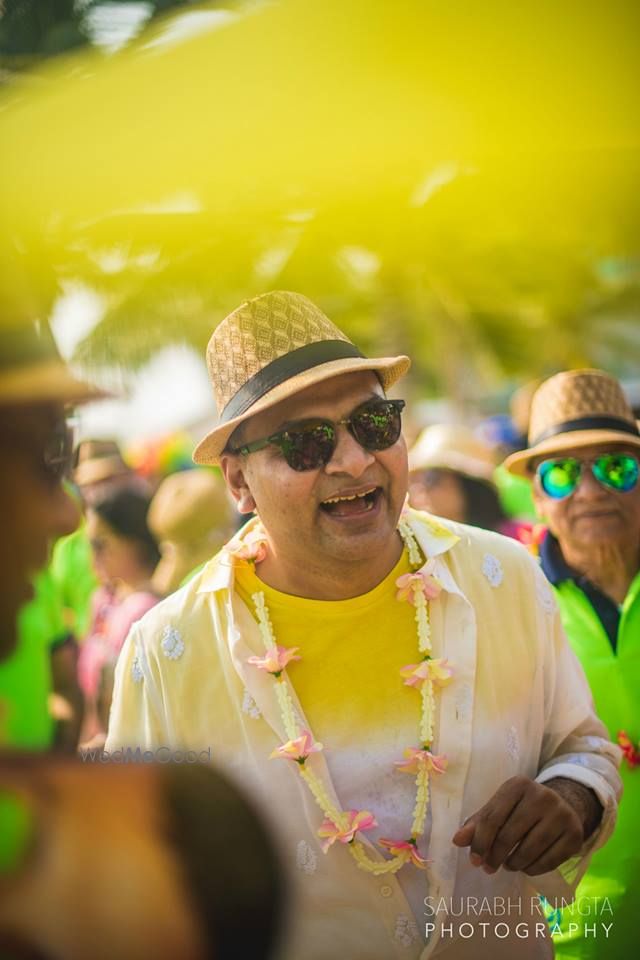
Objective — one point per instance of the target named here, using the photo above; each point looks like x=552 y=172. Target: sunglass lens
x=617 y=471
x=559 y=478
x=58 y=453
x=310 y=447
x=377 y=426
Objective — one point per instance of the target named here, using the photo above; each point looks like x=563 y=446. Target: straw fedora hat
x=33 y=372
x=191 y=516
x=575 y=408
x=98 y=460
x=452 y=447
x=270 y=348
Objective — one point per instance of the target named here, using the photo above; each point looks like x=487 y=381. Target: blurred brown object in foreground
x=133 y=861
x=35 y=454
x=191 y=516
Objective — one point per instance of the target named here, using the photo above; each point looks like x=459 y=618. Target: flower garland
x=426 y=677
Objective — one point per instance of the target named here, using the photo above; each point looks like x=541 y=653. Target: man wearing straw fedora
x=395 y=690
x=582 y=457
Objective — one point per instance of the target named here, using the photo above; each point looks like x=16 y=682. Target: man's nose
x=349 y=457
x=589 y=488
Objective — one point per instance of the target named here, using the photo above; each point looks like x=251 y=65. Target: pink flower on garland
x=437 y=670
x=276 y=659
x=357 y=820
x=298 y=749
x=422 y=581
x=252 y=548
x=417 y=760
x=399 y=847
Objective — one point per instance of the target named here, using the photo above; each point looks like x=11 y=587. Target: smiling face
x=593 y=515
x=331 y=519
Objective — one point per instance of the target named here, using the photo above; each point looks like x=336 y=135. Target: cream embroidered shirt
x=518 y=704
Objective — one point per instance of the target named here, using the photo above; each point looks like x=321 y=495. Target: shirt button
x=386 y=891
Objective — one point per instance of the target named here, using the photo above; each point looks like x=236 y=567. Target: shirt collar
x=554 y=566
x=433 y=535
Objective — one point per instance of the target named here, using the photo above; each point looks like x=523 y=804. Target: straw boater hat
x=33 y=372
x=575 y=408
x=452 y=447
x=270 y=348
x=191 y=516
x=98 y=460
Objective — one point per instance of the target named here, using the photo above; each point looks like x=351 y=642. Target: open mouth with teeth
x=352 y=505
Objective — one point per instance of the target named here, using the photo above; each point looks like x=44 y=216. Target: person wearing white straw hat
x=582 y=457
x=451 y=475
x=393 y=689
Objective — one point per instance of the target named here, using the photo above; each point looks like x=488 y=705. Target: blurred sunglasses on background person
x=561 y=477
x=51 y=447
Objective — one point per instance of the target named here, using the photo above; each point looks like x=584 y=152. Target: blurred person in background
x=99 y=468
x=172 y=861
x=191 y=516
x=451 y=475
x=35 y=451
x=39 y=679
x=125 y=555
x=582 y=458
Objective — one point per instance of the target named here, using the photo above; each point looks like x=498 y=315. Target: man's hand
x=530 y=826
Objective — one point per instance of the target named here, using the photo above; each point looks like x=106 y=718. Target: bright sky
x=170 y=393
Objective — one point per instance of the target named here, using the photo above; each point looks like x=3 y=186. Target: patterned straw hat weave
x=259 y=332
x=576 y=408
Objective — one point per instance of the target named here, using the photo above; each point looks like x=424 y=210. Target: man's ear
x=232 y=466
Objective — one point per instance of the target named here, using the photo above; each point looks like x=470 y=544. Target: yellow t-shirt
x=348 y=679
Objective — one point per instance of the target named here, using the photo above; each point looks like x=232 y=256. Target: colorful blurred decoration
x=458 y=183
x=155 y=459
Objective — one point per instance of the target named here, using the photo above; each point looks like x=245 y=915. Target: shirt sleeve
x=576 y=744
x=135 y=719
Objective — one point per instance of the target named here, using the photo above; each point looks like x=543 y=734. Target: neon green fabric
x=25 y=677
x=614 y=872
x=72 y=571
x=515 y=495
x=16 y=829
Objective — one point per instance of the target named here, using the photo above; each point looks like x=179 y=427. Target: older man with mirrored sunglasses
x=582 y=458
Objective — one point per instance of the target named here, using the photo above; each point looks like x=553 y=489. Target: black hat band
x=283 y=368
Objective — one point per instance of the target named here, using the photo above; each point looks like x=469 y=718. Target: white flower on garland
x=492 y=569
x=172 y=643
